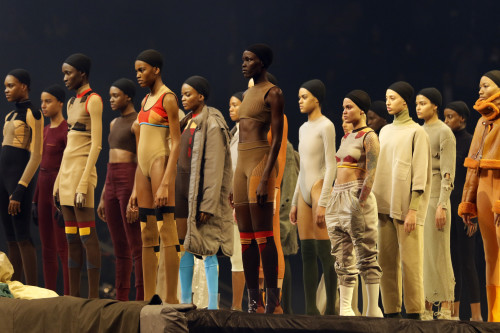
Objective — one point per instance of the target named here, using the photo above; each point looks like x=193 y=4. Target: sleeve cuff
x=82 y=189
x=18 y=193
x=467 y=208
x=496 y=207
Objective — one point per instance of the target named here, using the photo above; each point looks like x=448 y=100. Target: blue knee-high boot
x=186 y=275
x=212 y=273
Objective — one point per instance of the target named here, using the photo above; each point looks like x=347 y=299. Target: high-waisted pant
x=52 y=234
x=126 y=237
x=352 y=227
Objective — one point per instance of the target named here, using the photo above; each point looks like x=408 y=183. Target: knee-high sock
x=28 y=254
x=75 y=260
x=90 y=242
x=269 y=257
x=16 y=261
x=186 y=275
x=251 y=260
x=212 y=273
x=170 y=242
x=328 y=263
x=150 y=248
x=310 y=274
x=286 y=291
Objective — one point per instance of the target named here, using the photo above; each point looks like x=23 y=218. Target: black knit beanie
x=152 y=57
x=238 y=95
x=200 y=84
x=380 y=109
x=360 y=98
x=404 y=89
x=125 y=85
x=494 y=75
x=317 y=88
x=80 y=61
x=22 y=75
x=459 y=107
x=263 y=52
x=56 y=91
x=433 y=95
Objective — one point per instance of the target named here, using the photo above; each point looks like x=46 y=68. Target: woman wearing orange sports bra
x=77 y=177
x=255 y=175
x=153 y=196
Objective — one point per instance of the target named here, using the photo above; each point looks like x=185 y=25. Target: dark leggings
x=52 y=235
x=22 y=253
x=126 y=237
x=462 y=258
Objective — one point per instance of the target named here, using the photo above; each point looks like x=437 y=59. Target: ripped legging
x=255 y=221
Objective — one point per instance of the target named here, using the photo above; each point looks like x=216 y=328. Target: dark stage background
x=349 y=45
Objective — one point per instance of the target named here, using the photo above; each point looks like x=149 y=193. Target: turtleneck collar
x=24 y=104
x=403 y=118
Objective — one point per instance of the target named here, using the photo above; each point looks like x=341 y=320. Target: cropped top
x=254 y=104
x=155 y=115
x=121 y=135
x=351 y=153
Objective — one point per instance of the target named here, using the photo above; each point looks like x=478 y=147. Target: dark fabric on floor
x=69 y=314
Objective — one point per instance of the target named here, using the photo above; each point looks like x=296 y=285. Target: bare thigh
x=306 y=215
x=144 y=191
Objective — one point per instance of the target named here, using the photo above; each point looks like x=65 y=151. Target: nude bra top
x=254 y=105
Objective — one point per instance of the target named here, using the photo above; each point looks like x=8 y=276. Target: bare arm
x=170 y=105
x=132 y=206
x=276 y=102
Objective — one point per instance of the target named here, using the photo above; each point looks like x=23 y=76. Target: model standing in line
x=463 y=240
x=351 y=214
x=402 y=189
x=237 y=274
x=153 y=196
x=122 y=164
x=255 y=175
x=280 y=162
x=312 y=193
x=439 y=280
x=51 y=229
x=77 y=177
x=19 y=158
x=481 y=195
x=377 y=116
x=203 y=184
